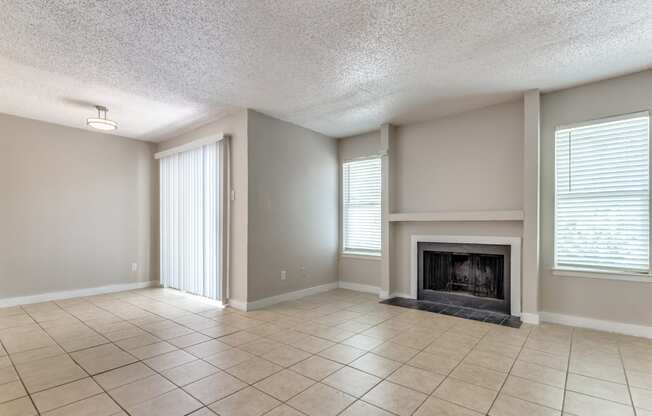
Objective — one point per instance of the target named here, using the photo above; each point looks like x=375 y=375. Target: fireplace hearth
x=470 y=275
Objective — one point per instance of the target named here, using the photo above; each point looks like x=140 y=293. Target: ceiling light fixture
x=101 y=122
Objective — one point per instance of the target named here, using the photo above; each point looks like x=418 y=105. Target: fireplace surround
x=511 y=289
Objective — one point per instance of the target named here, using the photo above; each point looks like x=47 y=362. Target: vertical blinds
x=602 y=213
x=362 y=206
x=189 y=221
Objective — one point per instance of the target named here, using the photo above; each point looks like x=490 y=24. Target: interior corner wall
x=293 y=200
x=600 y=299
x=357 y=270
x=235 y=125
x=77 y=208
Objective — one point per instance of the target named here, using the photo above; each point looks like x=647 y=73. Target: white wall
x=357 y=270
x=77 y=208
x=234 y=125
x=611 y=300
x=293 y=194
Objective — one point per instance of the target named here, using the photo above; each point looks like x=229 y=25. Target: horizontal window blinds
x=362 y=206
x=189 y=226
x=602 y=195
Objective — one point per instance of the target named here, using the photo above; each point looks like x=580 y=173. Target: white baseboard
x=600 y=325
x=236 y=304
x=76 y=293
x=530 y=318
x=382 y=294
x=284 y=297
x=359 y=287
x=401 y=295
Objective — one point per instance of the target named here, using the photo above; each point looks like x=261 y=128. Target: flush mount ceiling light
x=101 y=122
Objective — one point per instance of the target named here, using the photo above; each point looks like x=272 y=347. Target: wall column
x=531 y=192
x=387 y=133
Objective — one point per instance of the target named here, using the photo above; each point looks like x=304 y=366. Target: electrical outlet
x=134 y=267
x=284 y=274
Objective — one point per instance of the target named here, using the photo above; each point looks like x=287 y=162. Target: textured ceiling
x=337 y=67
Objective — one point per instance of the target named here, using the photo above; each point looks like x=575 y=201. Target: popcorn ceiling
x=337 y=67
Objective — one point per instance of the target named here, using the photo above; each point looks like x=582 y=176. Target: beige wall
x=612 y=300
x=234 y=125
x=284 y=216
x=77 y=208
x=471 y=161
x=362 y=271
x=292 y=207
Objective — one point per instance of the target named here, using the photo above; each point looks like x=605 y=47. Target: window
x=361 y=206
x=191 y=238
x=602 y=204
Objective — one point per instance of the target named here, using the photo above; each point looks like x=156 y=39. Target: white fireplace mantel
x=515 y=264
x=494 y=215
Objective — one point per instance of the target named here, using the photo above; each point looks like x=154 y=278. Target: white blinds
x=189 y=205
x=602 y=194
x=361 y=206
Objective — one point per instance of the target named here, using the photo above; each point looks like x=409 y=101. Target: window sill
x=607 y=275
x=359 y=255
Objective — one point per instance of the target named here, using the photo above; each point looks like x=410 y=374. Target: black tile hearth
x=458 y=311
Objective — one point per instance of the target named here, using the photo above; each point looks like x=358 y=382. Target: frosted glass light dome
x=101 y=122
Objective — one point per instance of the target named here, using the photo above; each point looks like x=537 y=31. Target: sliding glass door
x=190 y=225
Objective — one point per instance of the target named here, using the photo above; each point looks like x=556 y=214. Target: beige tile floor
x=161 y=352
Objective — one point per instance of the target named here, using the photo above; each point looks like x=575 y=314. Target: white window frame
x=567 y=271
x=344 y=253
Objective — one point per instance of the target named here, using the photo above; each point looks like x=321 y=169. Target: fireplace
x=471 y=275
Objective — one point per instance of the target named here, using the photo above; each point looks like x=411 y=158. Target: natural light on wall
x=361 y=206
x=602 y=207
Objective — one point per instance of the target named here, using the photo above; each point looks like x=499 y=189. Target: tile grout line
x=343 y=366
x=522 y=347
x=568 y=366
x=592 y=395
x=331 y=325
x=109 y=342
x=80 y=366
x=20 y=378
x=138 y=359
x=448 y=329
x=629 y=389
x=178 y=349
x=356 y=369
x=315 y=382
x=225 y=370
x=117 y=346
x=511 y=367
x=381 y=379
x=454 y=368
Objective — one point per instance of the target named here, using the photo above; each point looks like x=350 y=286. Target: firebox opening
x=470 y=275
x=464 y=273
